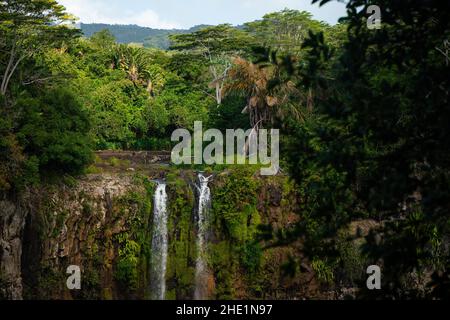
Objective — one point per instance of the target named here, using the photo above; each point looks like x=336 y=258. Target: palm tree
x=268 y=95
x=248 y=79
x=136 y=62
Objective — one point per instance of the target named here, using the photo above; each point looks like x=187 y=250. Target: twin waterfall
x=159 y=244
x=160 y=240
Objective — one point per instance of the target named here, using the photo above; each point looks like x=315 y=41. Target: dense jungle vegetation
x=364 y=117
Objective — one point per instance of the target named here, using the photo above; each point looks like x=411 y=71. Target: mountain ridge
x=131 y=33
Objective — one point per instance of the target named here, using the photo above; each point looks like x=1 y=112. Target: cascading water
x=204 y=203
x=159 y=244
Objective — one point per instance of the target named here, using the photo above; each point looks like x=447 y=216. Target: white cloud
x=148 y=18
x=329 y=12
x=89 y=11
x=168 y=14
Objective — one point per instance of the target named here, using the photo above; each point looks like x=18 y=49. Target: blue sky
x=168 y=14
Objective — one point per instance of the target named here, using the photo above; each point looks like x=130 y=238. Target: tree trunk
x=9 y=76
x=218 y=93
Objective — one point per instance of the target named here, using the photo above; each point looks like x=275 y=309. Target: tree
x=270 y=93
x=26 y=28
x=284 y=31
x=103 y=40
x=139 y=66
x=252 y=82
x=376 y=146
x=55 y=131
x=134 y=61
x=217 y=45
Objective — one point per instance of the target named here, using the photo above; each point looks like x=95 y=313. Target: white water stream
x=159 y=244
x=204 y=203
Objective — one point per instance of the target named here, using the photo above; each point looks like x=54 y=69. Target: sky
x=183 y=14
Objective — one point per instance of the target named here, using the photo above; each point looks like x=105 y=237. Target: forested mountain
x=149 y=37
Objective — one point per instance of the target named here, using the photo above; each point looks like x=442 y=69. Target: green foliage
x=285 y=30
x=23 y=25
x=32 y=33
x=229 y=114
x=91 y=284
x=234 y=205
x=55 y=131
x=116 y=111
x=251 y=256
x=212 y=40
x=323 y=270
x=127 y=265
x=223 y=262
x=180 y=272
x=189 y=66
x=136 y=97
x=177 y=109
x=236 y=220
x=48 y=282
x=103 y=39
x=352 y=259
x=364 y=114
x=370 y=149
x=12 y=159
x=134 y=245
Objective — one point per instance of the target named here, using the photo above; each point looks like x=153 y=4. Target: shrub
x=55 y=129
x=251 y=254
x=127 y=266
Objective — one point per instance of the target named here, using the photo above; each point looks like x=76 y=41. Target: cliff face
x=103 y=224
x=85 y=224
x=12 y=221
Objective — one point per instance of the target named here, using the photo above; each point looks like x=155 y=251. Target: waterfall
x=204 y=203
x=159 y=244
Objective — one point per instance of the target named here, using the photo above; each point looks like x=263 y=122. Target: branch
x=209 y=94
x=8 y=67
x=444 y=53
x=8 y=79
x=37 y=80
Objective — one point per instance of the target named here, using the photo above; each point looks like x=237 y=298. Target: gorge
x=137 y=236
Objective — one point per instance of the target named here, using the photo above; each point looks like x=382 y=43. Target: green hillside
x=151 y=38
